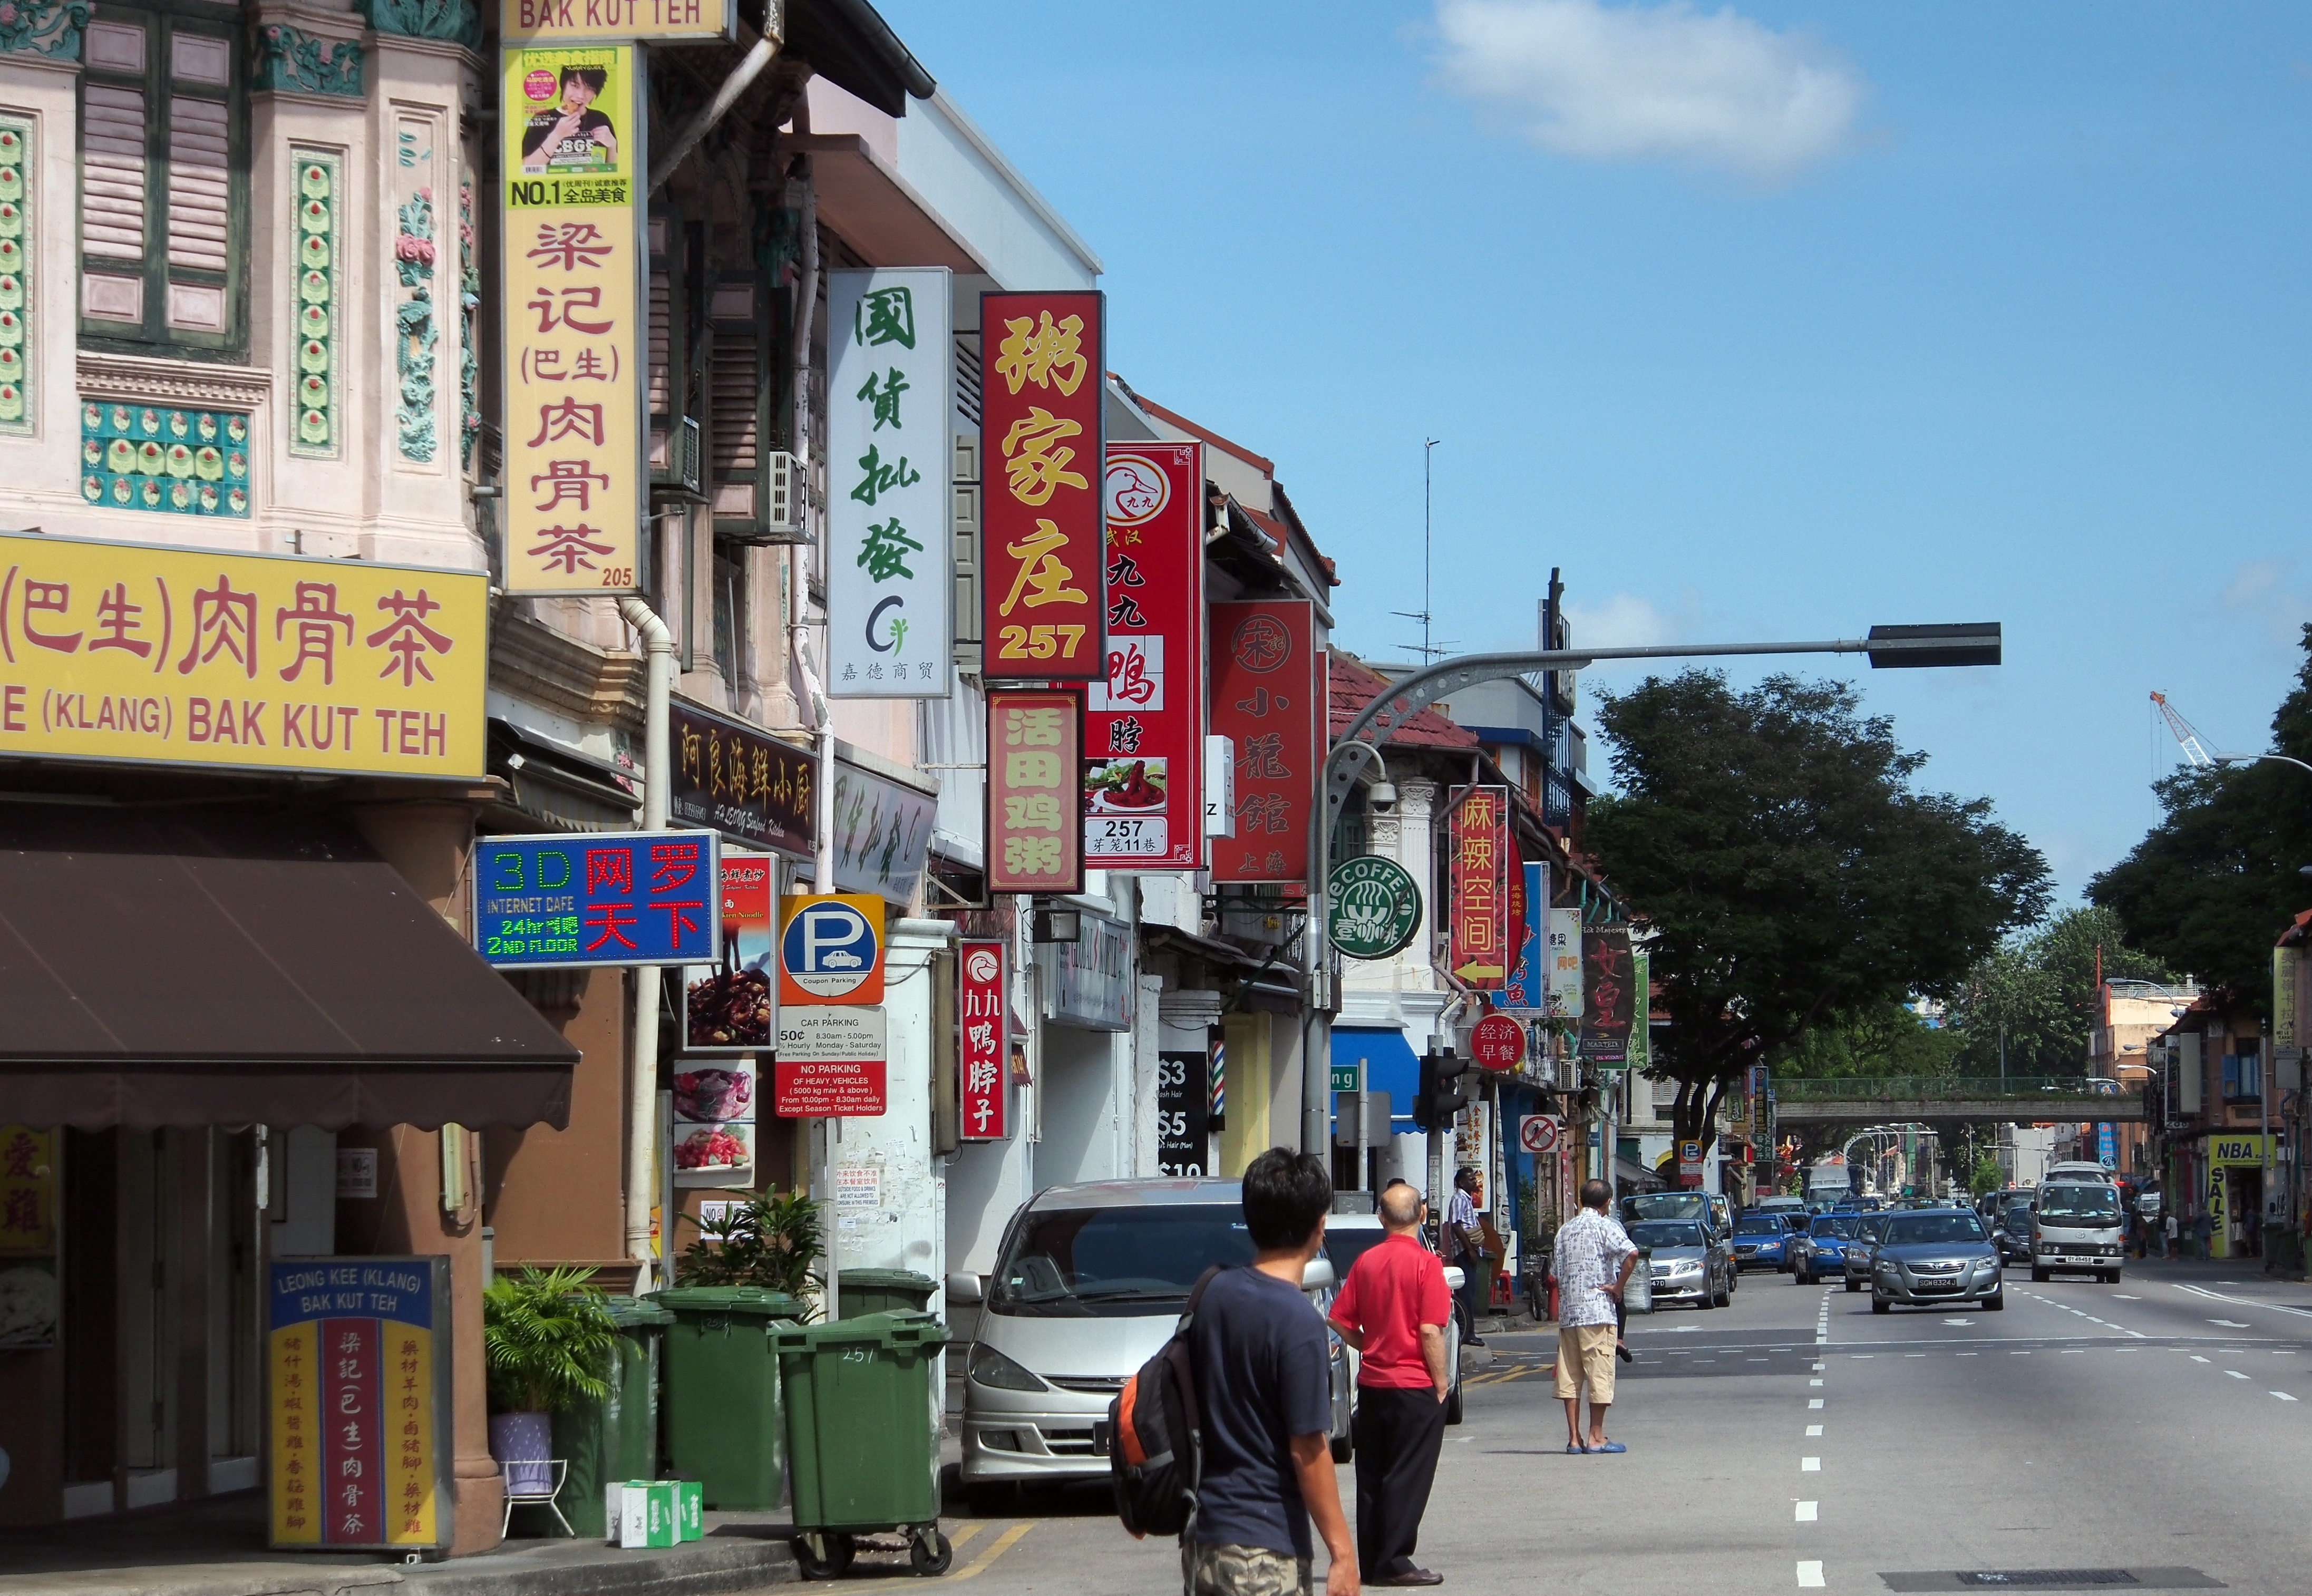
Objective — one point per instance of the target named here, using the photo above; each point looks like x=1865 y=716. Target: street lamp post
x=1889 y=647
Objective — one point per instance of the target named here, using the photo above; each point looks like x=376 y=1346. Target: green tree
x=2032 y=1002
x=2210 y=885
x=1987 y=1176
x=1793 y=877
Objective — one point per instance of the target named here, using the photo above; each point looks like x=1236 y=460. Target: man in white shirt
x=1463 y=1244
x=1593 y=1259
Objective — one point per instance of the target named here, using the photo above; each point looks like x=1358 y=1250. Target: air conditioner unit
x=783 y=495
x=689 y=455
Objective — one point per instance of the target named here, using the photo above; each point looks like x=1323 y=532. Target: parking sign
x=831 y=948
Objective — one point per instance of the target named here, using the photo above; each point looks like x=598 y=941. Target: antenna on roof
x=1427 y=652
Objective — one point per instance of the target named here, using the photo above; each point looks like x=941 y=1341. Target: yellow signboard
x=2225 y=1151
x=125 y=651
x=574 y=340
x=570 y=21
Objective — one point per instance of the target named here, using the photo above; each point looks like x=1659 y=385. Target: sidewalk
x=216 y=1547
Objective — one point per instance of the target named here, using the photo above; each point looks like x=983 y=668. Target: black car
x=2014 y=1234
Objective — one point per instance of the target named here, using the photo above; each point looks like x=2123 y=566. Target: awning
x=557 y=786
x=1636 y=1175
x=190 y=966
x=1390 y=1067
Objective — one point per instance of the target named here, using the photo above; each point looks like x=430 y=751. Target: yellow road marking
x=963 y=1532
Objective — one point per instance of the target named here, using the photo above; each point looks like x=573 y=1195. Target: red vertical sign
x=1035 y=760
x=983 y=1093
x=1481 y=954
x=1041 y=433
x=1268 y=696
x=1143 y=723
x=352 y=1430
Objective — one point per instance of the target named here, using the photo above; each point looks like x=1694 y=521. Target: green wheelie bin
x=862 y=1438
x=725 y=1426
x=861 y=1292
x=615 y=1439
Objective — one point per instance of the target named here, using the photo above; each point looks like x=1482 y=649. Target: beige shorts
x=1586 y=1352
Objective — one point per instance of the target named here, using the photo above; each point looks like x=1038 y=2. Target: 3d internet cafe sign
x=1375 y=907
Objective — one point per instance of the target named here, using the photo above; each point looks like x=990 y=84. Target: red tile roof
x=1354 y=686
x=1267 y=466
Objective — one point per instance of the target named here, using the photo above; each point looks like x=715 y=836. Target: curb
x=710 y=1568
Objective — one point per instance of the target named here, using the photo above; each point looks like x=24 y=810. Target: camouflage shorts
x=1241 y=1571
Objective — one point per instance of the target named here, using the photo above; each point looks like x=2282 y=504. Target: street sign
x=1498 y=1042
x=831 y=948
x=1689 y=1164
x=606 y=898
x=1373 y=907
x=1344 y=1077
x=831 y=1062
x=1536 y=1132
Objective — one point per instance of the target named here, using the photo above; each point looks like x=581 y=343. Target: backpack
x=1155 y=1453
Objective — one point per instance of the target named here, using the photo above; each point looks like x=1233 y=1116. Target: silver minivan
x=2078 y=1226
x=1089 y=1281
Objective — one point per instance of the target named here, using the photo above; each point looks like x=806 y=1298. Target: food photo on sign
x=732 y=1006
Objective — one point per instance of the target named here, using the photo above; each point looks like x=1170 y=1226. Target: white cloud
x=2262 y=591
x=1636 y=82
x=1626 y=620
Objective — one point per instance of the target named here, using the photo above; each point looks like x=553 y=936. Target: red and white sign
x=983 y=1093
x=1498 y=1043
x=1041 y=437
x=1537 y=1132
x=1481 y=954
x=1145 y=721
x=1268 y=696
x=1034 y=764
x=1689 y=1164
x=831 y=1063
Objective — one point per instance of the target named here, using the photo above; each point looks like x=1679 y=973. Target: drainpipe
x=658 y=780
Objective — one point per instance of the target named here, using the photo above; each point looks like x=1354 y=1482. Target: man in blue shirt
x=1264 y=1380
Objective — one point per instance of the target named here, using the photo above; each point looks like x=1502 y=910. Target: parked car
x=1690 y=1262
x=1936 y=1257
x=1089 y=1281
x=1347 y=1238
x=1762 y=1239
x=1822 y=1250
x=1854 y=1267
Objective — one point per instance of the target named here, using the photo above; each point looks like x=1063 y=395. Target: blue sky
x=1762 y=323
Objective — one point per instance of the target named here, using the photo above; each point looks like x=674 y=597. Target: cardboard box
x=690 y=1509
x=646 y=1509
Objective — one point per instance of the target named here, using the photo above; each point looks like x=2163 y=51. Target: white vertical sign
x=890 y=578
x=1565 y=972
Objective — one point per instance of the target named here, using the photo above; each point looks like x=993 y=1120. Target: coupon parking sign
x=831 y=948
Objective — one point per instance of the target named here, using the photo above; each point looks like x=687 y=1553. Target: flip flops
x=1570 y=1449
x=1610 y=1446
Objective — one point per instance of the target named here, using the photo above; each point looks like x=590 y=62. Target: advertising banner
x=1268 y=698
x=565 y=21
x=883 y=833
x=606 y=898
x=1562 y=986
x=1042 y=441
x=714 y=1123
x=889 y=575
x=732 y=1006
x=122 y=651
x=572 y=370
x=1035 y=753
x=740 y=780
x=1479 y=855
x=1145 y=721
x=357 y=1357
x=830 y=949
x=1523 y=992
x=832 y=1063
x=1183 y=1120
x=1640 y=1053
x=986 y=1098
x=1605 y=1015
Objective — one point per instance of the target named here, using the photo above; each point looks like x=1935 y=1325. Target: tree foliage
x=2034 y=998
x=1791 y=875
x=2215 y=881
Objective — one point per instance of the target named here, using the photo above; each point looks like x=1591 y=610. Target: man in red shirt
x=1393 y=1309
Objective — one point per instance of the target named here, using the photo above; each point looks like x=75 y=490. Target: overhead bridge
x=2021 y=1099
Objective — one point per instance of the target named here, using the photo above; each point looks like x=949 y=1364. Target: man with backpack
x=1263 y=1375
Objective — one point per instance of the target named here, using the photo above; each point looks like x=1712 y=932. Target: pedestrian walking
x=1393 y=1309
x=1263 y=1368
x=2203 y=1230
x=1593 y=1261
x=2168 y=1228
x=1464 y=1243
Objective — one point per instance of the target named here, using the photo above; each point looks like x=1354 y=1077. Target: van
x=2078 y=1226
x=2076 y=1170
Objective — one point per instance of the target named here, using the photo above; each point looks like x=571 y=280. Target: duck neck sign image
x=831 y=948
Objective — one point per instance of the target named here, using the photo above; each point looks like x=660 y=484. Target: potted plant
x=548 y=1338
x=767 y=1242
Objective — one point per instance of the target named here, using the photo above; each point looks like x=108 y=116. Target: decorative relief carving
x=290 y=58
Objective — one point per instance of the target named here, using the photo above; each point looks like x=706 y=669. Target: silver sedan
x=1933 y=1258
x=1691 y=1263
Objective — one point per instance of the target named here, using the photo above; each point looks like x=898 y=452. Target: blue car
x=1762 y=1239
x=1822 y=1250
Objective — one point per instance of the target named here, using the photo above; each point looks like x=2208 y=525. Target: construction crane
x=2195 y=751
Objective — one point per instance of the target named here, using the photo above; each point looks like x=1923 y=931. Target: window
x=164 y=177
x=2243 y=1077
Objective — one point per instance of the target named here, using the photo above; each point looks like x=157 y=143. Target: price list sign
x=611 y=897
x=573 y=119
x=358 y=1389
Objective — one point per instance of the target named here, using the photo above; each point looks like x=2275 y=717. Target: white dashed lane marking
x=1809 y=1465
x=1806 y=1512
x=1810 y=1576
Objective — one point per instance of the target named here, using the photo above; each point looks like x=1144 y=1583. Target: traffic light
x=1440 y=1097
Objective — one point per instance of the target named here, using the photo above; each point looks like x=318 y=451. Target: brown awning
x=187 y=966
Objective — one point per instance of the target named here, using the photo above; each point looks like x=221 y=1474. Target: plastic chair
x=545 y=1498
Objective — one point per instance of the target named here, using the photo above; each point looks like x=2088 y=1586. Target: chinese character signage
x=1641 y=1053
x=1521 y=994
x=1143 y=721
x=984 y=1094
x=1267 y=698
x=1561 y=981
x=1605 y=1015
x=1035 y=748
x=1480 y=860
x=568 y=21
x=730 y=1006
x=890 y=577
x=882 y=832
x=358 y=1389
x=1041 y=433
x=121 y=651
x=574 y=485
x=741 y=781
x=2285 y=1030
x=604 y=898
x=29 y=1302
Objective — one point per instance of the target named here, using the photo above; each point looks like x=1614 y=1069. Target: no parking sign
x=831 y=948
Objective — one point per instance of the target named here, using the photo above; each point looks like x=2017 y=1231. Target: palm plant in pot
x=549 y=1339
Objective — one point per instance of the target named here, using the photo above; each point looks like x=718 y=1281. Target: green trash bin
x=863 y=1437
x=725 y=1427
x=615 y=1439
x=861 y=1292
